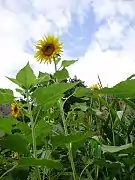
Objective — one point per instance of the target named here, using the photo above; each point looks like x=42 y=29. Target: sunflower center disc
x=48 y=50
x=15 y=109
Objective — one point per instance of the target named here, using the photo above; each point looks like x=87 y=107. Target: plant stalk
x=33 y=132
x=70 y=145
x=66 y=132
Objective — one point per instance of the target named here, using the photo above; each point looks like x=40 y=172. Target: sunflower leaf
x=6 y=96
x=27 y=161
x=15 y=142
x=14 y=81
x=61 y=75
x=47 y=96
x=6 y=124
x=26 y=77
x=67 y=63
x=71 y=138
x=124 y=89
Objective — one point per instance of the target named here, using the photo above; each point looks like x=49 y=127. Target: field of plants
x=59 y=129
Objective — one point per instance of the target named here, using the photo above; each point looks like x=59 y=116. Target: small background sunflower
x=15 y=109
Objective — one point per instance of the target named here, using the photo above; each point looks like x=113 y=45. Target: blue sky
x=99 y=33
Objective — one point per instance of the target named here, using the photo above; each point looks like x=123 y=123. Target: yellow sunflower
x=47 y=48
x=94 y=87
x=51 y=110
x=15 y=109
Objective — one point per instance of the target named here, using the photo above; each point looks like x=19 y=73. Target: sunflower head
x=48 y=48
x=51 y=110
x=94 y=87
x=15 y=109
x=15 y=155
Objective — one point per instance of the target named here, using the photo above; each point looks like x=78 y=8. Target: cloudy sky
x=99 y=33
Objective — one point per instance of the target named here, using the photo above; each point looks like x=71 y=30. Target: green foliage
x=40 y=162
x=6 y=96
x=123 y=89
x=89 y=135
x=47 y=96
x=61 y=75
x=15 y=143
x=62 y=139
x=66 y=63
x=25 y=77
x=6 y=124
x=113 y=149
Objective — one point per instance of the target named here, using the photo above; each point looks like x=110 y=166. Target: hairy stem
x=33 y=132
x=66 y=133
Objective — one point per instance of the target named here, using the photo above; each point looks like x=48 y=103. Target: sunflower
x=15 y=109
x=51 y=110
x=48 y=48
x=15 y=155
x=94 y=87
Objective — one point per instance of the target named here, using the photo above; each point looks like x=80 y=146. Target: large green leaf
x=6 y=96
x=42 y=128
x=63 y=139
x=26 y=76
x=40 y=162
x=14 y=81
x=42 y=78
x=83 y=92
x=24 y=128
x=61 y=75
x=15 y=143
x=45 y=75
x=123 y=89
x=67 y=63
x=47 y=96
x=114 y=149
x=6 y=124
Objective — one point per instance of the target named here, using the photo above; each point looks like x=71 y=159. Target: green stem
x=66 y=133
x=72 y=161
x=70 y=145
x=63 y=118
x=8 y=171
x=112 y=129
x=33 y=132
x=113 y=138
x=55 y=65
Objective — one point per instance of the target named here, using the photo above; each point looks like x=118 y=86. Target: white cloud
x=113 y=65
x=107 y=8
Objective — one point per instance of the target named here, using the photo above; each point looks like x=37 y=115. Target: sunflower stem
x=70 y=154
x=55 y=65
x=33 y=132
